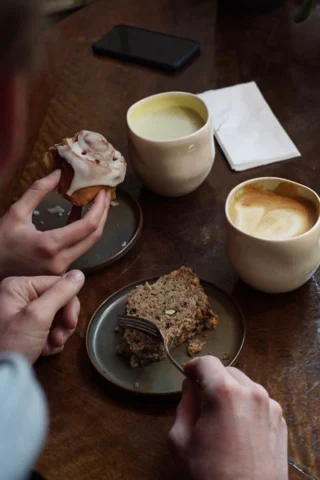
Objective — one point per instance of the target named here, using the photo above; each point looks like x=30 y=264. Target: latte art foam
x=267 y=215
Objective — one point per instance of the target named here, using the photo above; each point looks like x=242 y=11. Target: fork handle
x=172 y=360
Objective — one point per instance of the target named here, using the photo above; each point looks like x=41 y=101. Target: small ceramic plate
x=160 y=378
x=121 y=232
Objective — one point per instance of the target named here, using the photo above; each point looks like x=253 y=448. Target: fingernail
x=76 y=276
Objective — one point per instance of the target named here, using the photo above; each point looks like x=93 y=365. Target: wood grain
x=98 y=432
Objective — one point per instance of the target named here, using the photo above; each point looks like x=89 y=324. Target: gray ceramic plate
x=160 y=378
x=122 y=229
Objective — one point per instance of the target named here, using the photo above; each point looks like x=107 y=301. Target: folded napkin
x=245 y=127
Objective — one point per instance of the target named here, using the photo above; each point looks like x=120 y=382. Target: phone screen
x=147 y=46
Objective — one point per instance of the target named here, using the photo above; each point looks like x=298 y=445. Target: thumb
x=37 y=192
x=208 y=371
x=188 y=413
x=56 y=295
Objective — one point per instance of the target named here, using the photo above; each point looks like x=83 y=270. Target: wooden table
x=101 y=433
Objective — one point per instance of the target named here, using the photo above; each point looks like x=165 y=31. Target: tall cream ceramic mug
x=273 y=265
x=171 y=145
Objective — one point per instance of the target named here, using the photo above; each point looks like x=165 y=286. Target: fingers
x=208 y=371
x=29 y=287
x=240 y=377
x=56 y=296
x=69 y=315
x=73 y=253
x=59 y=336
x=82 y=229
x=188 y=413
x=36 y=193
x=49 y=350
x=65 y=325
x=260 y=396
x=275 y=414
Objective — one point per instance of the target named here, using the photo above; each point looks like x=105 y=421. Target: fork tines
x=139 y=324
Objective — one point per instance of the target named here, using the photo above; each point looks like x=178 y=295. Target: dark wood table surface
x=101 y=433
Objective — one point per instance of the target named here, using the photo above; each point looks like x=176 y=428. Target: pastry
x=89 y=163
x=177 y=304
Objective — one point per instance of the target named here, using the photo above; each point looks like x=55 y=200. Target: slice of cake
x=179 y=306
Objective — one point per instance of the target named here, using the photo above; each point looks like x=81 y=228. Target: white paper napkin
x=247 y=130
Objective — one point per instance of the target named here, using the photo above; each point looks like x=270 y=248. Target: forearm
x=23 y=418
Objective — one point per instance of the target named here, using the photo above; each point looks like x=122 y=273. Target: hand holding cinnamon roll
x=89 y=163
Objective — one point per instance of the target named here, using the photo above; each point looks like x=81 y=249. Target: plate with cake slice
x=195 y=317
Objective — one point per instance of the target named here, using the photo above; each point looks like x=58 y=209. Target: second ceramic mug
x=274 y=266
x=173 y=167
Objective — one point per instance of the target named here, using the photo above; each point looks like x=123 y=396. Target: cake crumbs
x=56 y=210
x=226 y=356
x=195 y=346
x=137 y=385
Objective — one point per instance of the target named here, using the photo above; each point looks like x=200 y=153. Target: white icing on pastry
x=94 y=160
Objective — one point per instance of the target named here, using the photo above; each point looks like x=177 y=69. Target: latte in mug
x=273 y=233
x=168 y=123
x=171 y=145
x=270 y=215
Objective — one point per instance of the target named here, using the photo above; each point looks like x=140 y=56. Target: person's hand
x=227 y=427
x=26 y=251
x=39 y=314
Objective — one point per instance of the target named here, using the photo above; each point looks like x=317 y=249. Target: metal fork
x=149 y=328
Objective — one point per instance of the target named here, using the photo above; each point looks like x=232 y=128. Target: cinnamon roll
x=89 y=163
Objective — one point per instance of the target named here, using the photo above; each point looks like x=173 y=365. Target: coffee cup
x=171 y=145
x=273 y=233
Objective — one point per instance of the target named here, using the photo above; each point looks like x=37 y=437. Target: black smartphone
x=147 y=47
